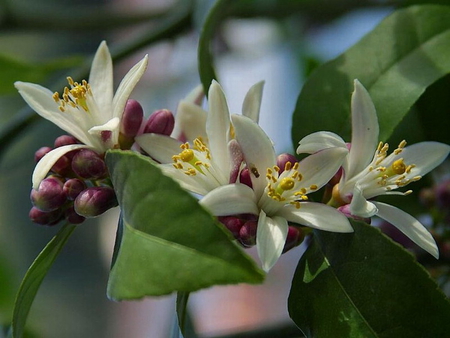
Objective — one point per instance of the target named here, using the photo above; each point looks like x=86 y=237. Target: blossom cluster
x=229 y=162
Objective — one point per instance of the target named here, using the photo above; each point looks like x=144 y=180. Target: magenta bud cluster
x=244 y=228
x=77 y=187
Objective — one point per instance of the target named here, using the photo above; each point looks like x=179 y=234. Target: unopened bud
x=49 y=196
x=244 y=177
x=345 y=209
x=247 y=234
x=295 y=237
x=73 y=187
x=130 y=124
x=65 y=140
x=40 y=153
x=45 y=218
x=283 y=159
x=72 y=217
x=62 y=166
x=160 y=122
x=95 y=201
x=89 y=165
x=232 y=223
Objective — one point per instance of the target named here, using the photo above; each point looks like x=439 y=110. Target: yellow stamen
x=187 y=155
x=399 y=166
x=287 y=183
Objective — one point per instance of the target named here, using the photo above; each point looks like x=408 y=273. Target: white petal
x=318 y=141
x=196 y=96
x=159 y=147
x=101 y=78
x=360 y=206
x=218 y=125
x=112 y=126
x=364 y=130
x=189 y=183
x=410 y=226
x=257 y=149
x=127 y=85
x=425 y=156
x=316 y=215
x=190 y=122
x=270 y=239
x=46 y=163
x=41 y=101
x=252 y=102
x=230 y=199
x=320 y=167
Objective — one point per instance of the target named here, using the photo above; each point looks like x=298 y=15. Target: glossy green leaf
x=396 y=62
x=14 y=70
x=169 y=243
x=34 y=277
x=365 y=285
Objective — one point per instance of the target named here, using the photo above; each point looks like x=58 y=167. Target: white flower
x=278 y=196
x=86 y=110
x=211 y=157
x=369 y=171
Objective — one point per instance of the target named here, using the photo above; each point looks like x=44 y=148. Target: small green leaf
x=14 y=70
x=34 y=277
x=396 y=62
x=169 y=242
x=365 y=285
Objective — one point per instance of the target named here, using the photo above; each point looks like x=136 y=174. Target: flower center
x=193 y=161
x=285 y=187
x=74 y=97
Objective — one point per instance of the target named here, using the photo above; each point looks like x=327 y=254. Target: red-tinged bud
x=65 y=140
x=232 y=223
x=345 y=209
x=62 y=166
x=95 y=201
x=283 y=159
x=41 y=152
x=45 y=218
x=132 y=117
x=72 y=217
x=295 y=237
x=89 y=165
x=160 y=122
x=49 y=196
x=247 y=234
x=443 y=195
x=244 y=177
x=73 y=187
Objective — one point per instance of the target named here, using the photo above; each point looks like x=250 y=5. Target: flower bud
x=62 y=166
x=160 y=122
x=49 y=196
x=295 y=237
x=43 y=217
x=89 y=165
x=40 y=153
x=283 y=159
x=232 y=223
x=345 y=209
x=247 y=233
x=65 y=140
x=244 y=177
x=132 y=117
x=73 y=187
x=95 y=201
x=72 y=217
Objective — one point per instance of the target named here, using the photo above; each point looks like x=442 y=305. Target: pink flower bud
x=283 y=159
x=49 y=196
x=160 y=122
x=65 y=140
x=132 y=117
x=247 y=234
x=295 y=237
x=345 y=209
x=72 y=217
x=89 y=165
x=232 y=223
x=62 y=166
x=45 y=218
x=73 y=187
x=40 y=153
x=95 y=201
x=244 y=177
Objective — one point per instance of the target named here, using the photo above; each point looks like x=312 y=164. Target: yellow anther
x=304 y=197
x=287 y=183
x=187 y=155
x=399 y=166
x=313 y=187
x=70 y=80
x=295 y=166
x=254 y=171
x=296 y=204
x=287 y=166
x=276 y=168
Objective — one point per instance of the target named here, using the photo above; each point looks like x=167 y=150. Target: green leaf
x=365 y=285
x=34 y=277
x=396 y=62
x=15 y=70
x=169 y=243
